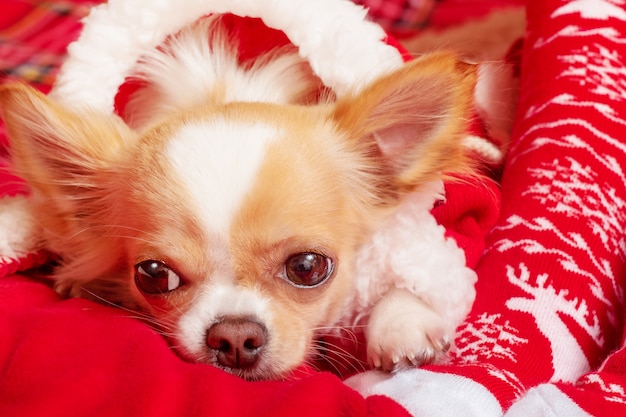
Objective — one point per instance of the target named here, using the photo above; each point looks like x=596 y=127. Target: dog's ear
x=56 y=150
x=70 y=161
x=414 y=118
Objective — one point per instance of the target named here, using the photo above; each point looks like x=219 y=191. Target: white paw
x=404 y=332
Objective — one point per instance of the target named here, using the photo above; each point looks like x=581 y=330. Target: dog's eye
x=308 y=269
x=154 y=277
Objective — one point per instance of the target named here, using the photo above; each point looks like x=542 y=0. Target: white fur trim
x=425 y=393
x=344 y=49
x=411 y=251
x=19 y=232
x=211 y=303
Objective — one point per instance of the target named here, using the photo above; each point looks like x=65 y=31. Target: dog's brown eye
x=154 y=277
x=308 y=269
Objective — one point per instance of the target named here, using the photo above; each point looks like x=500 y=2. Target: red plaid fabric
x=34 y=36
x=403 y=18
x=399 y=15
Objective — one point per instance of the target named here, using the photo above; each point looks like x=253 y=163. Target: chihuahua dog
x=233 y=204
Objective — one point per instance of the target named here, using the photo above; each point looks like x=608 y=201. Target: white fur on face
x=215 y=301
x=218 y=162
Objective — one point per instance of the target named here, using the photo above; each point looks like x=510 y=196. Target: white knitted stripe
x=546 y=401
x=426 y=393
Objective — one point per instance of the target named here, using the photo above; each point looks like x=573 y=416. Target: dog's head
x=234 y=225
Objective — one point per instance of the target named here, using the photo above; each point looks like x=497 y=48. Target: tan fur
x=439 y=114
x=69 y=160
x=332 y=175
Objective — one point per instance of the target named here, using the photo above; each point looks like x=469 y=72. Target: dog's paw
x=404 y=332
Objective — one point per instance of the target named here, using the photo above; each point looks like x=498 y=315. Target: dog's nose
x=237 y=343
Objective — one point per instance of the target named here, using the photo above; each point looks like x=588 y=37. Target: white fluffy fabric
x=344 y=49
x=19 y=232
x=411 y=251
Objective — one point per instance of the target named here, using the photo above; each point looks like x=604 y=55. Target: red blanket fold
x=75 y=357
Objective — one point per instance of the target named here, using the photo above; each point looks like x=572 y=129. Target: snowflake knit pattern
x=550 y=293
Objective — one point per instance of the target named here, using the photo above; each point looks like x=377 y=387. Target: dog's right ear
x=57 y=150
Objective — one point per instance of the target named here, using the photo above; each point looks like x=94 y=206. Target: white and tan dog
x=246 y=209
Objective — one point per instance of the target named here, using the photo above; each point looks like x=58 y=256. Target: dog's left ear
x=413 y=119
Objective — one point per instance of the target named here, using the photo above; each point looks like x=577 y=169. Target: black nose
x=237 y=343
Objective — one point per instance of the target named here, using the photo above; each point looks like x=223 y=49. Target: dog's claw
x=441 y=344
x=447 y=344
x=377 y=363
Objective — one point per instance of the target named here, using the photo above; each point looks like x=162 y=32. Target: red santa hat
x=344 y=48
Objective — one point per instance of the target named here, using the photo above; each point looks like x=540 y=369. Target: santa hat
x=343 y=47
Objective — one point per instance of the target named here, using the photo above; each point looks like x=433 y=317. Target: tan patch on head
x=311 y=195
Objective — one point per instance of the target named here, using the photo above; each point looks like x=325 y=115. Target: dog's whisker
x=339 y=358
x=164 y=327
x=341 y=332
